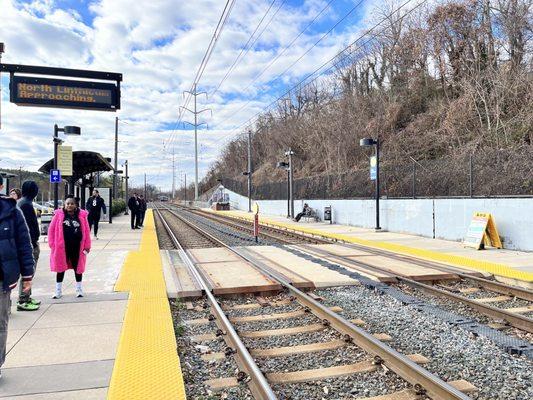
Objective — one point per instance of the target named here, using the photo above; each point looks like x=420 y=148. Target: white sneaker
x=58 y=294
x=79 y=292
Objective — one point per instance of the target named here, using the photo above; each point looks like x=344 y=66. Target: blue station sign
x=373 y=168
x=55 y=176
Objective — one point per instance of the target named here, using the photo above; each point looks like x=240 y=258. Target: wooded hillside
x=438 y=86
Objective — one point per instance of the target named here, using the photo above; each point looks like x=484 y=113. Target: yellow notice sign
x=255 y=208
x=64 y=160
x=482 y=232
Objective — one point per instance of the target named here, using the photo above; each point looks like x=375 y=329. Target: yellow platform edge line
x=430 y=255
x=147 y=364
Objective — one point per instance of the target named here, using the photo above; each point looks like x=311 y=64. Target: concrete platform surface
x=511 y=264
x=68 y=346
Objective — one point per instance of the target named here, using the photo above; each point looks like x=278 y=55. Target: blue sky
x=158 y=46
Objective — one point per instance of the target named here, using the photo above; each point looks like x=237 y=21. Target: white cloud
x=158 y=46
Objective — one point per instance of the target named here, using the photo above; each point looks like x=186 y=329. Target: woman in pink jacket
x=70 y=241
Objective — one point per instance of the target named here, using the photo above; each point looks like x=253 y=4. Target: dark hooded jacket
x=29 y=192
x=16 y=255
x=94 y=205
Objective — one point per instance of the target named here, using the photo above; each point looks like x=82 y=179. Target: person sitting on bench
x=306 y=211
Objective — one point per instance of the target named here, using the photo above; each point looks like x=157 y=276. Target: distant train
x=163 y=198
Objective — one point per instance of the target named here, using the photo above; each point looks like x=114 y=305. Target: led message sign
x=44 y=92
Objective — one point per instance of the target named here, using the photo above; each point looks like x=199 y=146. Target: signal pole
x=115 y=163
x=249 y=170
x=173 y=174
x=195 y=94
x=126 y=197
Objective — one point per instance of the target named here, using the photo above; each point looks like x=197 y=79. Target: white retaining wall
x=436 y=218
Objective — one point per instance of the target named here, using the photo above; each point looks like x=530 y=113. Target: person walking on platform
x=142 y=211
x=16 y=259
x=134 y=206
x=69 y=238
x=29 y=193
x=95 y=205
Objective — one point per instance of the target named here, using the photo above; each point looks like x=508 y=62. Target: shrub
x=119 y=205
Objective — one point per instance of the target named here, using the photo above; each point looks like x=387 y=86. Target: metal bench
x=311 y=215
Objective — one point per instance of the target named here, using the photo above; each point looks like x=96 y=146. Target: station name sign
x=64 y=93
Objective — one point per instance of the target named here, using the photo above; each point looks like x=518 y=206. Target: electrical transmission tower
x=195 y=94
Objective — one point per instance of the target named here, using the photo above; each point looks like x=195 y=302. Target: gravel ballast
x=454 y=353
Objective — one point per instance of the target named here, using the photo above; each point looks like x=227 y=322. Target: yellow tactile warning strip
x=147 y=364
x=461 y=261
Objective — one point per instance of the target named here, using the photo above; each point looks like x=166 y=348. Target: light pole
x=368 y=142
x=126 y=191
x=285 y=165
x=67 y=130
x=289 y=154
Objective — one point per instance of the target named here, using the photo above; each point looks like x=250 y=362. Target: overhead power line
x=289 y=45
x=348 y=50
x=344 y=17
x=203 y=64
x=245 y=48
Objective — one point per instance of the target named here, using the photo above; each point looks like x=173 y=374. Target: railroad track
x=302 y=312
x=506 y=305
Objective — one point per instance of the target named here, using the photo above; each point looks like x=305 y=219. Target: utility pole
x=249 y=170
x=126 y=197
x=115 y=163
x=289 y=154
x=173 y=174
x=185 y=188
x=145 y=187
x=195 y=94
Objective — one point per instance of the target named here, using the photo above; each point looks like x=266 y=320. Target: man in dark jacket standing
x=16 y=259
x=95 y=205
x=134 y=205
x=143 y=208
x=29 y=192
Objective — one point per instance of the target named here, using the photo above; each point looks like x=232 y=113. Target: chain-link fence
x=491 y=173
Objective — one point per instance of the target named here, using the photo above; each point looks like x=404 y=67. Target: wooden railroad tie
x=410 y=394
x=520 y=310
x=332 y=372
x=493 y=299
x=271 y=317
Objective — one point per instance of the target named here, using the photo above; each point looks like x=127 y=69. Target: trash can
x=45 y=223
x=327 y=214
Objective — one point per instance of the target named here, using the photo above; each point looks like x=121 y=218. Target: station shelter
x=86 y=165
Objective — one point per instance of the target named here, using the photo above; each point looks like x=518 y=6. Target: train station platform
x=510 y=266
x=106 y=345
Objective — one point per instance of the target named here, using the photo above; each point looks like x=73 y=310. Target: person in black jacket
x=29 y=192
x=95 y=205
x=134 y=205
x=142 y=211
x=16 y=259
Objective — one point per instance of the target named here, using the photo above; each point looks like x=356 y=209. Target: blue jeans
x=4 y=318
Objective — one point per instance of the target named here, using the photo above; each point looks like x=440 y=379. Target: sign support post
x=256 y=222
x=56 y=184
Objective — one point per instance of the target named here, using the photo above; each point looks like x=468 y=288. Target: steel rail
x=424 y=381
x=259 y=384
x=498 y=287
x=237 y=224
x=516 y=320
